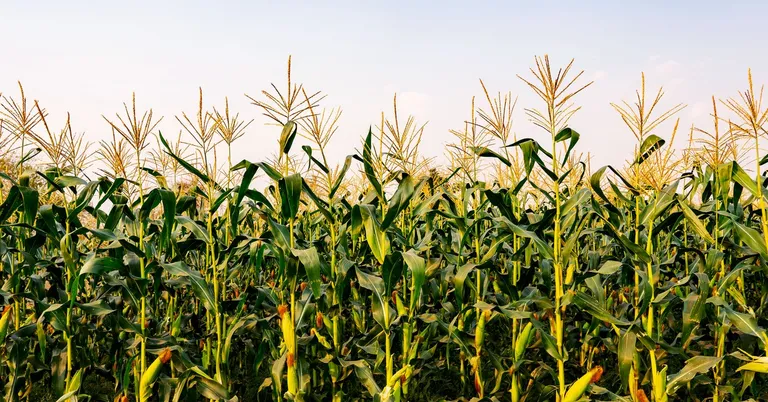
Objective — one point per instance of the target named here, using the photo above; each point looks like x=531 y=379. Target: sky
x=87 y=58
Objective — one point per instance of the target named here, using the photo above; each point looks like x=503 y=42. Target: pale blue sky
x=87 y=58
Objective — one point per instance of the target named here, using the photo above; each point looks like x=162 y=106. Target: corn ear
x=578 y=388
x=41 y=339
x=151 y=375
x=480 y=330
x=523 y=340
x=660 y=386
x=286 y=325
x=569 y=273
x=4 y=319
x=176 y=326
x=515 y=389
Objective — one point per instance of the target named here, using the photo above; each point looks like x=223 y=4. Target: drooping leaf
x=488 y=153
x=193 y=227
x=376 y=285
x=650 y=144
x=199 y=286
x=99 y=265
x=312 y=265
x=570 y=135
x=418 y=268
x=595 y=309
x=460 y=278
x=186 y=165
x=695 y=222
x=751 y=238
x=287 y=135
x=746 y=323
x=693 y=366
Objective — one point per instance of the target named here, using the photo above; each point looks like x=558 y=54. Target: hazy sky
x=87 y=58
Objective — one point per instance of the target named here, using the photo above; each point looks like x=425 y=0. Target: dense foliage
x=516 y=274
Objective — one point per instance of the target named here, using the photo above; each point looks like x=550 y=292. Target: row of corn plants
x=155 y=268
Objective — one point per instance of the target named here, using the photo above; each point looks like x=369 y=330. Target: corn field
x=150 y=267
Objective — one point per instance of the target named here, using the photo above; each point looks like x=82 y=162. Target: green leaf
x=595 y=309
x=609 y=268
x=212 y=389
x=70 y=181
x=96 y=307
x=418 y=268
x=746 y=323
x=104 y=234
x=76 y=381
x=531 y=157
x=232 y=329
x=168 y=198
x=399 y=201
x=242 y=190
x=30 y=199
x=485 y=152
x=311 y=261
x=459 y=279
x=224 y=196
x=662 y=201
x=493 y=249
x=741 y=177
x=694 y=365
x=695 y=222
x=752 y=238
x=281 y=234
x=159 y=178
x=287 y=135
x=199 y=285
x=377 y=238
x=572 y=136
x=99 y=265
x=186 y=165
x=367 y=160
x=270 y=171
x=340 y=177
x=376 y=285
x=543 y=247
x=321 y=205
x=549 y=341
x=278 y=365
x=290 y=195
x=693 y=311
x=577 y=199
x=650 y=145
x=627 y=345
x=10 y=204
x=365 y=376
x=193 y=227
x=595 y=182
x=392 y=271
x=308 y=150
